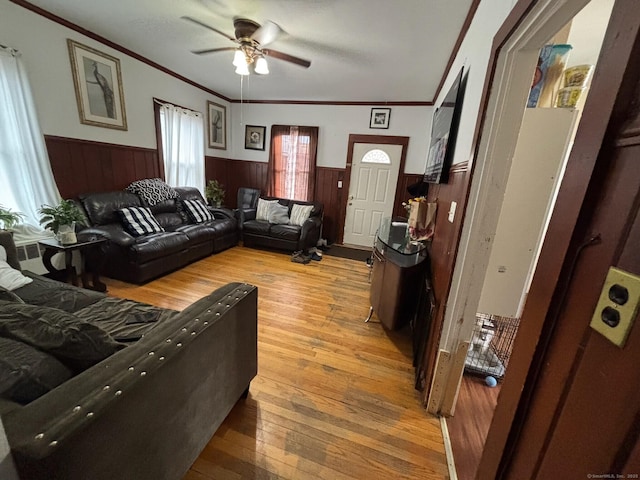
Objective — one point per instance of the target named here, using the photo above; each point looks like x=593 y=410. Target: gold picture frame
x=217 y=125
x=98 y=85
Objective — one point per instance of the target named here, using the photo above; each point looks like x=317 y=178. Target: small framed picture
x=98 y=85
x=217 y=125
x=380 y=118
x=254 y=137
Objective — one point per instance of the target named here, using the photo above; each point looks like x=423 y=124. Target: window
x=376 y=156
x=292 y=162
x=182 y=145
x=25 y=172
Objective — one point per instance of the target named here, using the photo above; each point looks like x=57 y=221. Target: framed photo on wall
x=380 y=118
x=217 y=125
x=98 y=84
x=254 y=137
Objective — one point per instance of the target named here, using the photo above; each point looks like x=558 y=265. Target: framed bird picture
x=98 y=85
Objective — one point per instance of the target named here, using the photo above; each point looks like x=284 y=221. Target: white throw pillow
x=10 y=279
x=3 y=254
x=262 y=212
x=278 y=214
x=300 y=214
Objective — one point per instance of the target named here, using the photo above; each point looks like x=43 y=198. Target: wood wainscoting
x=442 y=254
x=82 y=166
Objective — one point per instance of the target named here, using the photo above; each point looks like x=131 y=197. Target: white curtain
x=26 y=179
x=182 y=146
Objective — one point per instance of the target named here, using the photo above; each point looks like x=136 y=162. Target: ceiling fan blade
x=212 y=50
x=286 y=57
x=198 y=22
x=267 y=33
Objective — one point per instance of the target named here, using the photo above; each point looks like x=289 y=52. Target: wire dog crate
x=491 y=345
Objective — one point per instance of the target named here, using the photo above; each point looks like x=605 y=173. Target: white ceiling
x=360 y=50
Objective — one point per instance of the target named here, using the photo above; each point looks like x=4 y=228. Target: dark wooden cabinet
x=398 y=270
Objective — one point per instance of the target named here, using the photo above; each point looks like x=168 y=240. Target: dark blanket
x=124 y=320
x=46 y=292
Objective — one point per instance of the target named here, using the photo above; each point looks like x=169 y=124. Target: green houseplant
x=61 y=219
x=214 y=192
x=9 y=218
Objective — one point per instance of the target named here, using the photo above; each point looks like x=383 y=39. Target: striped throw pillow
x=197 y=211
x=300 y=214
x=262 y=211
x=139 y=221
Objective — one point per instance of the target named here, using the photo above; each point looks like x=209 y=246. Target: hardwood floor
x=469 y=426
x=334 y=397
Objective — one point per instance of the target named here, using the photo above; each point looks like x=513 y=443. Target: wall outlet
x=339 y=183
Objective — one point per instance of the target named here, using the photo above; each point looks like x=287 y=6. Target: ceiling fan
x=251 y=38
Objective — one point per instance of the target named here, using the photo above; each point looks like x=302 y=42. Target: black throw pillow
x=27 y=373
x=77 y=344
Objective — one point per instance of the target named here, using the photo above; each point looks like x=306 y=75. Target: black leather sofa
x=140 y=259
x=144 y=412
x=261 y=233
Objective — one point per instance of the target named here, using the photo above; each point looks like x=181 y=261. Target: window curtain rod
x=163 y=103
x=12 y=51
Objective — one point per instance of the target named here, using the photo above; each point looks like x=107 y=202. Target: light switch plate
x=617 y=306
x=452 y=211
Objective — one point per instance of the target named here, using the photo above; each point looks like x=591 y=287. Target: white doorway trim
x=509 y=91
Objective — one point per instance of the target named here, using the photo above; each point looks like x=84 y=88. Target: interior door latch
x=617 y=306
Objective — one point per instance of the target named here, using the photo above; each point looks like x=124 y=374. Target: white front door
x=372 y=188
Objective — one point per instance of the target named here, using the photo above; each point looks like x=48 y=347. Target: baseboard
x=453 y=475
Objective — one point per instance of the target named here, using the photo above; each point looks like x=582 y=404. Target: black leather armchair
x=247 y=203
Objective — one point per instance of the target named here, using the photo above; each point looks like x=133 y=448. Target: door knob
x=350 y=197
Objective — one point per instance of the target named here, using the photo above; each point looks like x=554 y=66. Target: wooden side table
x=90 y=246
x=396 y=275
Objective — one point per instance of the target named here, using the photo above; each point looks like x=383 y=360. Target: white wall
x=44 y=50
x=43 y=45
x=335 y=123
x=474 y=57
x=587 y=31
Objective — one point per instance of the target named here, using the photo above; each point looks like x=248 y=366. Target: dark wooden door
x=596 y=427
x=570 y=404
x=582 y=413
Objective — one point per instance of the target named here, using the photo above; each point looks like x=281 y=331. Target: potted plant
x=62 y=219
x=9 y=218
x=214 y=193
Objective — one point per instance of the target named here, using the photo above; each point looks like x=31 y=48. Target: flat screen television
x=444 y=130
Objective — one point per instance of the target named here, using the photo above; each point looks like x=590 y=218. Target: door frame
x=488 y=142
x=565 y=229
x=381 y=139
x=515 y=53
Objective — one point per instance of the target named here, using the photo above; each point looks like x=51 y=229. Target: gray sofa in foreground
x=145 y=411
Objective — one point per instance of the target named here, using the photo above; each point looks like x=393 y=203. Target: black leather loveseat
x=257 y=232
x=139 y=259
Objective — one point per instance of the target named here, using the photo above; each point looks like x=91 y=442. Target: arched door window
x=376 y=156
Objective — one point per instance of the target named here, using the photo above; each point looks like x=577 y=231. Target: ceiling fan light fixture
x=262 y=68
x=242 y=69
x=239 y=59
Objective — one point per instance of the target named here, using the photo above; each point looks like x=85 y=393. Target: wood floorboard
x=469 y=426
x=334 y=397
